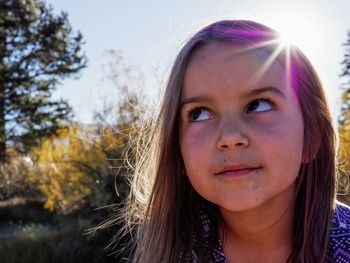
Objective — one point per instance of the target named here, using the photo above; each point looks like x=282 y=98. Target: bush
x=14 y=181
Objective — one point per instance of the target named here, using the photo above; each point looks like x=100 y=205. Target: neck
x=261 y=231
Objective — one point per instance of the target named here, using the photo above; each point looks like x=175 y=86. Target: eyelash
x=191 y=111
x=265 y=99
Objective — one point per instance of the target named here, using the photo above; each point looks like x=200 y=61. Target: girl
x=239 y=166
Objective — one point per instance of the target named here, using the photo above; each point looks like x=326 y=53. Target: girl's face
x=241 y=141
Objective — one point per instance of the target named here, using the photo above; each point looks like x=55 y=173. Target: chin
x=239 y=205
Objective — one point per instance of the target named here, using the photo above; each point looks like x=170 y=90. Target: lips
x=238 y=170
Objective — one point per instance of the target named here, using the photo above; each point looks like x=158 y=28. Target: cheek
x=196 y=144
x=196 y=138
x=282 y=148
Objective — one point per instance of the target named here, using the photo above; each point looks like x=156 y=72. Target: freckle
x=221 y=71
x=229 y=157
x=224 y=160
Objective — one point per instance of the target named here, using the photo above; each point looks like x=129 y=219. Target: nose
x=232 y=136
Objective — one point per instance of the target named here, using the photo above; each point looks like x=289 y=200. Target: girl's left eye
x=260 y=105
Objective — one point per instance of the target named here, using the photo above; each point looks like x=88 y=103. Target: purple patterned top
x=338 y=250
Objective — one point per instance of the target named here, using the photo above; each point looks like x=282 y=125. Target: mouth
x=237 y=171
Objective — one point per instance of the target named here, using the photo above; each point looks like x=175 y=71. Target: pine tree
x=346 y=61
x=344 y=119
x=37 y=49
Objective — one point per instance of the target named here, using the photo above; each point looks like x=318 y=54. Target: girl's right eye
x=199 y=114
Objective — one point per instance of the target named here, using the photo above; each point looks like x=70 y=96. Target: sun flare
x=301 y=31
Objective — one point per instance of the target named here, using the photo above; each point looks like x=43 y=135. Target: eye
x=260 y=105
x=199 y=114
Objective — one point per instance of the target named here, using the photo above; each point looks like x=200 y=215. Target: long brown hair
x=161 y=203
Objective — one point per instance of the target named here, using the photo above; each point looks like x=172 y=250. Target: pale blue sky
x=150 y=32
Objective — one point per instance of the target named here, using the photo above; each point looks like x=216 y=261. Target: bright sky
x=149 y=33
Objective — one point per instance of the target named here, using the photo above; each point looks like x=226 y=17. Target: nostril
x=232 y=140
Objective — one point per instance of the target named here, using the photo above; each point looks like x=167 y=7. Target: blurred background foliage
x=54 y=172
x=344 y=128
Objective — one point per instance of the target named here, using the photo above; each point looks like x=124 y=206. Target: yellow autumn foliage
x=343 y=161
x=68 y=165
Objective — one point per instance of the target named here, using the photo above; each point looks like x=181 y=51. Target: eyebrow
x=250 y=93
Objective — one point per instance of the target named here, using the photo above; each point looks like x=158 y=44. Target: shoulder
x=339 y=238
x=341 y=218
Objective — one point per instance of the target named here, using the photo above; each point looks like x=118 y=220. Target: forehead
x=221 y=50
x=240 y=64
